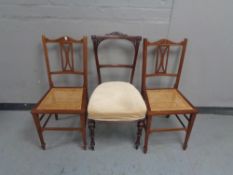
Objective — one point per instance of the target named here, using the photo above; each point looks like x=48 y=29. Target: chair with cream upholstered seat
x=63 y=99
x=162 y=59
x=116 y=101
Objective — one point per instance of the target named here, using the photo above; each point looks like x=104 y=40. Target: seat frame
x=161 y=70
x=67 y=68
x=135 y=40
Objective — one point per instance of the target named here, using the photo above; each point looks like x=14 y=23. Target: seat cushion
x=167 y=100
x=116 y=101
x=62 y=99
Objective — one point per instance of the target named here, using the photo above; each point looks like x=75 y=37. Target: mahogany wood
x=91 y=125
x=162 y=53
x=135 y=40
x=67 y=55
x=141 y=125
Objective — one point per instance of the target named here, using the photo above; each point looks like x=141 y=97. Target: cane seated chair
x=116 y=101
x=63 y=99
x=165 y=101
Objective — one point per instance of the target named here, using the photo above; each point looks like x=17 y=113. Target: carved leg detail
x=140 y=126
x=91 y=125
x=39 y=130
x=147 y=133
x=190 y=126
x=83 y=126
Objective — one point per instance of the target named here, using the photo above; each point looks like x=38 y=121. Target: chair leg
x=86 y=113
x=91 y=125
x=167 y=116
x=147 y=133
x=56 y=116
x=39 y=130
x=190 y=126
x=86 y=118
x=83 y=127
x=140 y=126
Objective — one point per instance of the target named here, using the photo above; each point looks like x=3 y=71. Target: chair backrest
x=135 y=40
x=67 y=55
x=162 y=55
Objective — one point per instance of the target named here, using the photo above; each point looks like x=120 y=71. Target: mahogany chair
x=116 y=101
x=63 y=99
x=165 y=101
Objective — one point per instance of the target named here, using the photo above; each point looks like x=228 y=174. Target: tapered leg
x=86 y=114
x=83 y=127
x=56 y=116
x=39 y=129
x=190 y=126
x=147 y=133
x=86 y=118
x=91 y=124
x=140 y=126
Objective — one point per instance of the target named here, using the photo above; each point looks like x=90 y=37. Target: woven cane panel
x=62 y=99
x=167 y=100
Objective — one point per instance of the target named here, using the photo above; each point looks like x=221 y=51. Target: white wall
x=208 y=73
x=22 y=70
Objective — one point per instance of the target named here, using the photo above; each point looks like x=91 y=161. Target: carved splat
x=162 y=54
x=67 y=56
x=117 y=34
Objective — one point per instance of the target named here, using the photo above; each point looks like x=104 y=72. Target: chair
x=165 y=101
x=63 y=99
x=116 y=101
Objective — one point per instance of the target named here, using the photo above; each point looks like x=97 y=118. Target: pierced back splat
x=67 y=56
x=66 y=48
x=162 y=54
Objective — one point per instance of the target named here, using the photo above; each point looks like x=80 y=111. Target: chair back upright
x=66 y=57
x=97 y=40
x=162 y=52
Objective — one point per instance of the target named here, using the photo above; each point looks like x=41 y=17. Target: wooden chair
x=116 y=101
x=63 y=99
x=166 y=101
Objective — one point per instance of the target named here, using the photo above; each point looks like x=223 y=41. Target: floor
x=210 y=149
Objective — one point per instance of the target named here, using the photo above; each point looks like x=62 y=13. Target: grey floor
x=210 y=149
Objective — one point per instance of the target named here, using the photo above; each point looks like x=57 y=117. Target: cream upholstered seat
x=116 y=101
